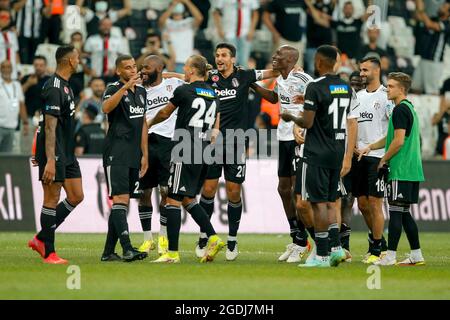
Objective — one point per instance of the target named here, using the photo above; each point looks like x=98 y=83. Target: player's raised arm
x=112 y=96
x=162 y=115
x=167 y=75
x=267 y=94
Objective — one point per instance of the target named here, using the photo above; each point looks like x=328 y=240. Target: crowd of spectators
x=409 y=36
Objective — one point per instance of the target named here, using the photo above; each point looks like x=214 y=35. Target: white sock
x=163 y=231
x=336 y=249
x=392 y=255
x=148 y=235
x=416 y=255
x=203 y=235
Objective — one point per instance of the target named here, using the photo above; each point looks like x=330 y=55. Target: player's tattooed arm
x=144 y=150
x=373 y=146
x=306 y=121
x=269 y=95
x=167 y=75
x=50 y=142
x=162 y=115
x=352 y=132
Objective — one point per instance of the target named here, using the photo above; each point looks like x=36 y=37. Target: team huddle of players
x=332 y=142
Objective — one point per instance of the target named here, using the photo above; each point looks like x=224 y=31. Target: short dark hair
x=372 y=58
x=402 y=78
x=76 y=33
x=229 y=46
x=121 y=58
x=154 y=34
x=40 y=58
x=94 y=79
x=328 y=52
x=62 y=52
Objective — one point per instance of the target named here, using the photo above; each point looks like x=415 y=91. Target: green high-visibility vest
x=406 y=165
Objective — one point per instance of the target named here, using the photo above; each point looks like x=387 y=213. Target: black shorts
x=159 y=152
x=233 y=165
x=63 y=172
x=288 y=153
x=299 y=163
x=186 y=180
x=403 y=191
x=122 y=180
x=320 y=184
x=365 y=180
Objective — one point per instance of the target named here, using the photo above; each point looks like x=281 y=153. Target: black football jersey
x=60 y=103
x=123 y=140
x=330 y=98
x=197 y=110
x=233 y=95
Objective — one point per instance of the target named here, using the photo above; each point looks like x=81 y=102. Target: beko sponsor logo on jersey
x=366 y=115
x=285 y=99
x=158 y=101
x=226 y=94
x=136 y=111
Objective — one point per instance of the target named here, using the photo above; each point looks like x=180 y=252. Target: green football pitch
x=255 y=275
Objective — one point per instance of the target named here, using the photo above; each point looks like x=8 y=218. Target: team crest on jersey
x=205 y=92
x=376 y=105
x=169 y=88
x=215 y=78
x=142 y=99
x=66 y=90
x=291 y=90
x=235 y=82
x=339 y=89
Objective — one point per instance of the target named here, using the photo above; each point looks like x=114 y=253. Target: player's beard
x=151 y=77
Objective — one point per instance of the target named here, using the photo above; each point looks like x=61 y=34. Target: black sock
x=111 y=238
x=376 y=247
x=201 y=218
x=145 y=215
x=234 y=218
x=411 y=230
x=370 y=240
x=322 y=243
x=119 y=219
x=311 y=232
x=162 y=216
x=47 y=233
x=344 y=235
x=333 y=235
x=208 y=206
x=395 y=227
x=173 y=226
x=63 y=209
x=383 y=243
x=293 y=225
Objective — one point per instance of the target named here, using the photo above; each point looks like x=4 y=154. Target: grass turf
x=255 y=275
